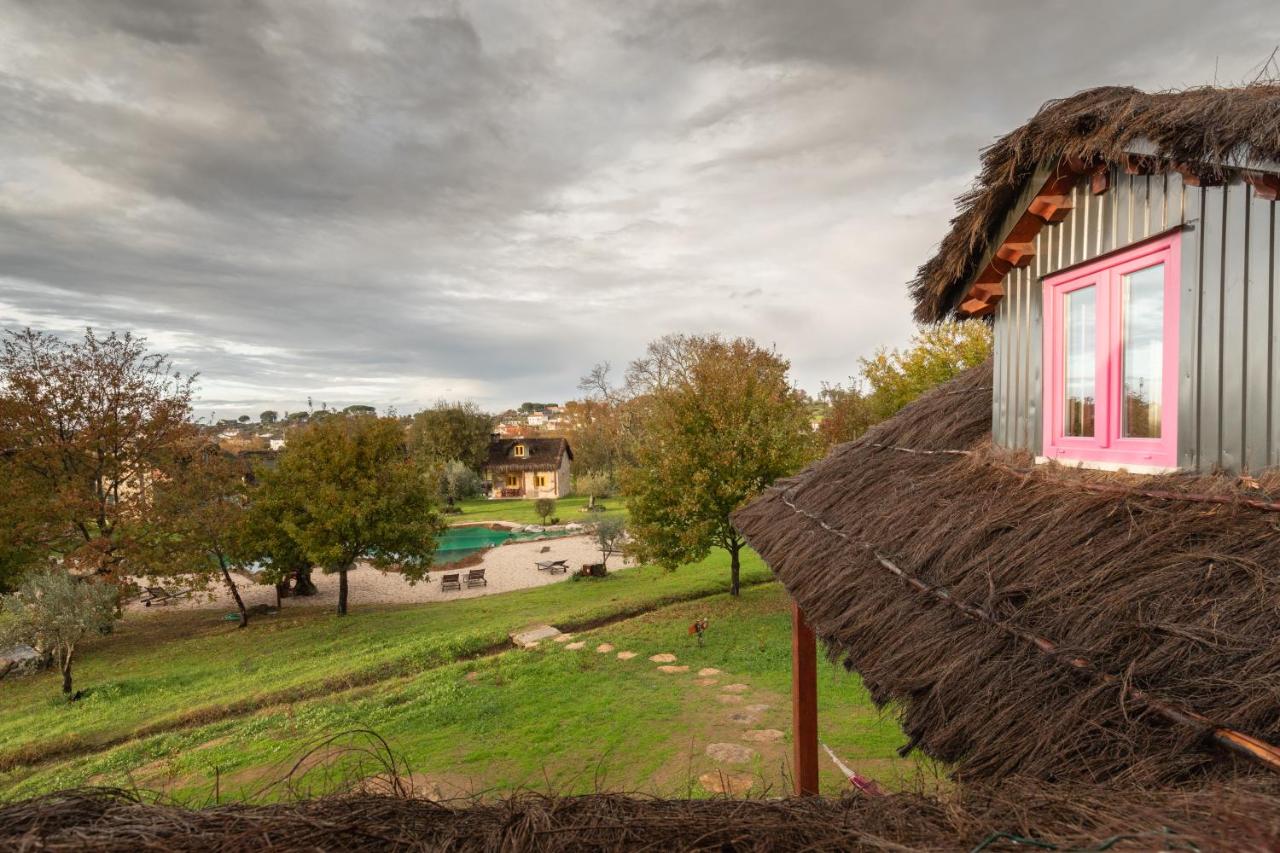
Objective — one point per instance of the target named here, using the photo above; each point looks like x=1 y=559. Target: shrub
x=544 y=507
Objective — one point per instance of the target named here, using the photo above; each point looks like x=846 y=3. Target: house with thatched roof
x=528 y=467
x=1026 y=614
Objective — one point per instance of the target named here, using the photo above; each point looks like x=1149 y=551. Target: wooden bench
x=475 y=577
x=448 y=582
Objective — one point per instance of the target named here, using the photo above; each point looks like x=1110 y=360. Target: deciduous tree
x=720 y=423
x=53 y=611
x=936 y=355
x=349 y=491
x=610 y=532
x=197 y=518
x=87 y=422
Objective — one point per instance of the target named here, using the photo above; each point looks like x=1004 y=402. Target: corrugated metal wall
x=1229 y=388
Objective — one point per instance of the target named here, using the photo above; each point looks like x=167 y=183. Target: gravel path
x=507 y=568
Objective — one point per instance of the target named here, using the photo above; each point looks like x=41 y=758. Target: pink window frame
x=1107 y=445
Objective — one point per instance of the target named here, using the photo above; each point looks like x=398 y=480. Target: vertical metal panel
x=1233 y=326
x=998 y=391
x=1141 y=206
x=1258 y=368
x=1189 y=336
x=1035 y=367
x=1209 y=335
x=1155 y=204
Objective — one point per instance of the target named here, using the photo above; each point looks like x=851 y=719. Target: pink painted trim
x=1108 y=445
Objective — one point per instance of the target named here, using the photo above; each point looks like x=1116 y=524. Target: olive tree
x=53 y=612
x=610 y=532
x=347 y=491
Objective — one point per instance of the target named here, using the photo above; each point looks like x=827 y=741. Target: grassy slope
x=183 y=667
x=521 y=511
x=545 y=719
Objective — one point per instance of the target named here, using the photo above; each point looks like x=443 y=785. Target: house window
x=1111 y=358
x=513 y=481
x=542 y=481
x=519 y=451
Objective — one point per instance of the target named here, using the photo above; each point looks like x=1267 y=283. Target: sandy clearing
x=507 y=567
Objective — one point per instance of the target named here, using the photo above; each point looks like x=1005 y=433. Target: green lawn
x=521 y=511
x=173 y=670
x=548 y=719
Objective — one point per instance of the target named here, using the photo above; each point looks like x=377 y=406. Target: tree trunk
x=302 y=584
x=735 y=569
x=342 y=592
x=66 y=676
x=235 y=593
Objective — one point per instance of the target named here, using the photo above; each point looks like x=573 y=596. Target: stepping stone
x=731 y=753
x=705 y=682
x=575 y=646
x=473 y=676
x=672 y=669
x=719 y=782
x=530 y=637
x=762 y=735
x=746 y=718
x=604 y=648
x=626 y=655
x=563 y=638
x=735 y=688
x=708 y=670
x=729 y=699
x=665 y=657
x=759 y=709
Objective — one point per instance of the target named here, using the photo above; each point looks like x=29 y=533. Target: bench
x=448 y=582
x=475 y=577
x=159 y=595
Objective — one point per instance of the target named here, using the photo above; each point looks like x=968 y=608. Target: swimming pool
x=458 y=543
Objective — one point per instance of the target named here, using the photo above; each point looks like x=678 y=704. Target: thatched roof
x=1044 y=622
x=540 y=454
x=1076 y=818
x=1208 y=128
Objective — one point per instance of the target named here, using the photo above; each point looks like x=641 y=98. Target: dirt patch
x=762 y=735
x=731 y=753
x=733 y=784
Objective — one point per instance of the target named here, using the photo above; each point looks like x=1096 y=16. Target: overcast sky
x=388 y=203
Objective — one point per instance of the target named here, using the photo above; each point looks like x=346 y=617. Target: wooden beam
x=1265 y=185
x=992 y=293
x=1016 y=254
x=976 y=307
x=804 y=703
x=1100 y=181
x=1050 y=208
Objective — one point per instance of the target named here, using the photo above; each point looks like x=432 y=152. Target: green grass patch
x=550 y=719
x=521 y=511
x=174 y=670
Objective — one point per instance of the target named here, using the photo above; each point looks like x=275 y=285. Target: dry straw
x=1201 y=126
x=1171 y=600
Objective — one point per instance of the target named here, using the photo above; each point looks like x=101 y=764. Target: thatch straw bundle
x=1070 y=818
x=1172 y=601
x=1203 y=127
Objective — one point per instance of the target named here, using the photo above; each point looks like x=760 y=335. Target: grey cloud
x=389 y=202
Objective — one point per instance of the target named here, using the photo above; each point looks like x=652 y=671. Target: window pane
x=1080 y=363
x=1142 y=293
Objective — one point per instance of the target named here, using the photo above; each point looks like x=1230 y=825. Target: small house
x=528 y=467
x=1124 y=247
x=1028 y=620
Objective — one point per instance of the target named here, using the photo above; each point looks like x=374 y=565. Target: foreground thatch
x=1202 y=128
x=1237 y=819
x=1046 y=622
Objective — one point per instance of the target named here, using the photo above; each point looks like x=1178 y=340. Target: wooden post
x=804 y=703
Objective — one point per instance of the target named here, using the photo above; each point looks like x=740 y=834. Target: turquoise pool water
x=458 y=543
